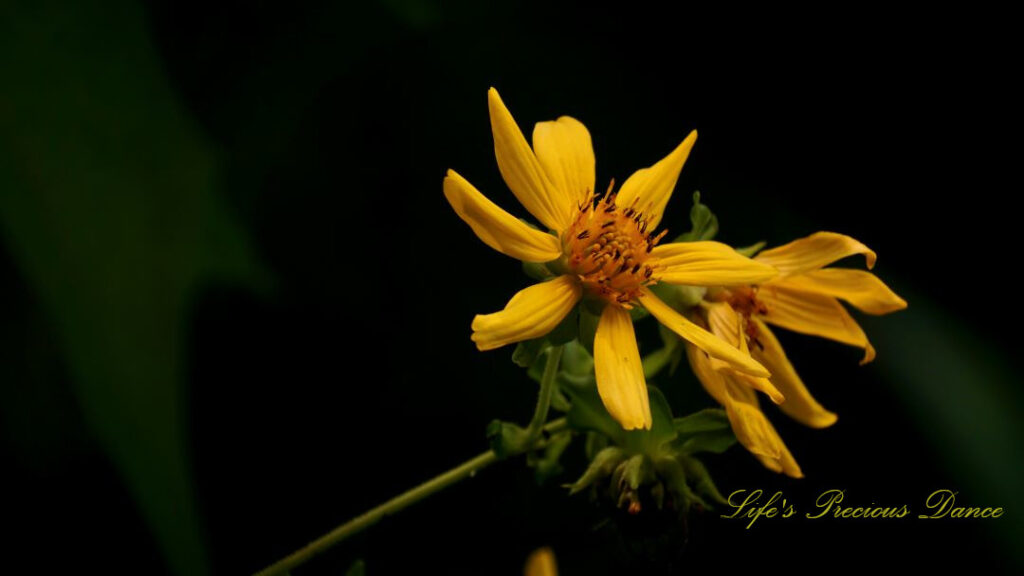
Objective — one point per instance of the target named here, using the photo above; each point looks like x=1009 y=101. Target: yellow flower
x=541 y=563
x=804 y=297
x=604 y=248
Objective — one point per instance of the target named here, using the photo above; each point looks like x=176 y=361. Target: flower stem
x=465 y=470
x=547 y=389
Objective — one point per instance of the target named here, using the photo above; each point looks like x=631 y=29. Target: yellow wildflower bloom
x=603 y=247
x=804 y=297
x=541 y=563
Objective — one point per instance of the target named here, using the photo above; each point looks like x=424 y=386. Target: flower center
x=743 y=299
x=609 y=250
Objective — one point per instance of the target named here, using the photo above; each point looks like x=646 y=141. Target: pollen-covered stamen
x=608 y=249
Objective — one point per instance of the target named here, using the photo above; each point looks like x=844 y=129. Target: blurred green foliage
x=108 y=206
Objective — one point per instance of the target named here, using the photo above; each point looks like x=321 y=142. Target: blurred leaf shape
x=107 y=204
x=965 y=396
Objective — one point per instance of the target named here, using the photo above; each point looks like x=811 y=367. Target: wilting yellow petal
x=523 y=173
x=799 y=404
x=725 y=323
x=703 y=339
x=497 y=228
x=707 y=264
x=749 y=424
x=541 y=563
x=861 y=289
x=531 y=313
x=814 y=314
x=619 y=372
x=566 y=153
x=813 y=252
x=650 y=188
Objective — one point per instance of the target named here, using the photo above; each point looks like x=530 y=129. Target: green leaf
x=707 y=420
x=109 y=205
x=662 y=432
x=703 y=223
x=588 y=327
x=587 y=412
x=705 y=431
x=576 y=361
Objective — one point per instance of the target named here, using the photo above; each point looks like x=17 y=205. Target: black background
x=353 y=376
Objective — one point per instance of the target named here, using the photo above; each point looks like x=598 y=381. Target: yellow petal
x=749 y=424
x=813 y=314
x=497 y=228
x=523 y=173
x=541 y=563
x=531 y=313
x=651 y=187
x=704 y=340
x=566 y=153
x=725 y=323
x=813 y=252
x=619 y=372
x=861 y=289
x=707 y=264
x=799 y=404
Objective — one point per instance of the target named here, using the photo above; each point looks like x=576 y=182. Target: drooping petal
x=861 y=289
x=749 y=424
x=523 y=172
x=707 y=264
x=541 y=563
x=813 y=314
x=799 y=404
x=725 y=323
x=566 y=153
x=497 y=228
x=703 y=339
x=619 y=372
x=813 y=252
x=760 y=433
x=650 y=188
x=531 y=313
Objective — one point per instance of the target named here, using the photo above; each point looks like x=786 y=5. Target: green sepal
x=537 y=271
x=601 y=466
x=703 y=223
x=698 y=476
x=750 y=251
x=587 y=413
x=679 y=298
x=529 y=352
x=567 y=329
x=546 y=464
x=705 y=431
x=588 y=326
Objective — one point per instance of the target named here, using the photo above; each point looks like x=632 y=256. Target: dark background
x=236 y=305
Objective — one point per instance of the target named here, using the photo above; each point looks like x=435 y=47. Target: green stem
x=465 y=470
x=396 y=504
x=547 y=389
